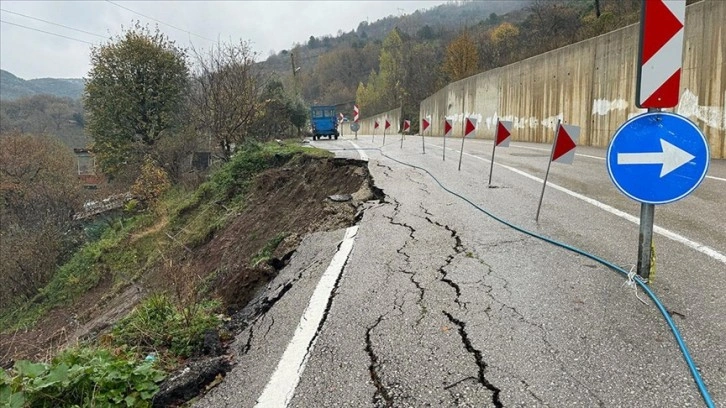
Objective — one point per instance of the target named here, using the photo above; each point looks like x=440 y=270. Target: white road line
x=362 y=154
x=596 y=157
x=548 y=150
x=660 y=230
x=280 y=389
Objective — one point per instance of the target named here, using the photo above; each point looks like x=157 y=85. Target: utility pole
x=295 y=69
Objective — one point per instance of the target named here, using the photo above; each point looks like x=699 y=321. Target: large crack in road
x=481 y=364
x=381 y=395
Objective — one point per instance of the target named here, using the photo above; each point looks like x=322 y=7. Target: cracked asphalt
x=439 y=305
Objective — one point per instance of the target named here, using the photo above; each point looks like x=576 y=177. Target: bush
x=159 y=325
x=81 y=377
x=82 y=272
x=265 y=253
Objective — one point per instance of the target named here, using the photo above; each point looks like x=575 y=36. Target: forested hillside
x=45 y=114
x=12 y=87
x=398 y=61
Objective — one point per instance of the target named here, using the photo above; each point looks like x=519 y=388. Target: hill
x=331 y=67
x=12 y=87
x=398 y=61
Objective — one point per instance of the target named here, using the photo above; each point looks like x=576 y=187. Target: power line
x=46 y=32
x=159 y=21
x=50 y=22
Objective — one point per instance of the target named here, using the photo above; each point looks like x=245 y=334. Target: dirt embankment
x=283 y=204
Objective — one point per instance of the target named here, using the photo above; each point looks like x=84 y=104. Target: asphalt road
x=438 y=304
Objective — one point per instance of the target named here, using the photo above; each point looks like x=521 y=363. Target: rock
x=340 y=198
x=187 y=383
x=212 y=346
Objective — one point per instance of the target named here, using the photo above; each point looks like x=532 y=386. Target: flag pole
x=402 y=131
x=444 y=138
x=494 y=149
x=547 y=173
x=423 y=143
x=384 y=131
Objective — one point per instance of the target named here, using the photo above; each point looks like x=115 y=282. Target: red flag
x=375 y=124
x=469 y=128
x=565 y=143
x=503 y=132
x=406 y=125
x=424 y=124
x=388 y=124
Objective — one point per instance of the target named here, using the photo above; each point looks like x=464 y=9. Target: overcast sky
x=269 y=25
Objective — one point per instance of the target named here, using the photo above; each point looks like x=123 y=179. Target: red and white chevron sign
x=356 y=113
x=661 y=53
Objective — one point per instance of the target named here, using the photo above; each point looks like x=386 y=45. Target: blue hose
x=671 y=324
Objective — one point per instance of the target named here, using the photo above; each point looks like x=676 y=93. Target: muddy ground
x=288 y=202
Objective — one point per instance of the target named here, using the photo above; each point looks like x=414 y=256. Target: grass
x=193 y=219
x=266 y=252
x=160 y=325
x=82 y=272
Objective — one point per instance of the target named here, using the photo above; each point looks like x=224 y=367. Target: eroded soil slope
x=282 y=205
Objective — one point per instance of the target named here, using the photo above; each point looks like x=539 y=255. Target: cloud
x=268 y=25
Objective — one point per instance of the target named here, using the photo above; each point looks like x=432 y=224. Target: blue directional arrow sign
x=658 y=157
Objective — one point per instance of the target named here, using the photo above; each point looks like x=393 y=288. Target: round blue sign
x=658 y=157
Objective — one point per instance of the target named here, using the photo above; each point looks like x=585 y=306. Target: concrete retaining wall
x=592 y=84
x=394 y=117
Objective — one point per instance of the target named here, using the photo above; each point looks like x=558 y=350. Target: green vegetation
x=168 y=326
x=193 y=218
x=159 y=324
x=82 y=272
x=38 y=192
x=134 y=95
x=45 y=114
x=12 y=87
x=265 y=253
x=81 y=377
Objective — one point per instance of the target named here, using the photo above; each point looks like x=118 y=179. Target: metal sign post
x=660 y=57
x=448 y=127
x=656 y=158
x=468 y=129
x=386 y=124
x=547 y=173
x=423 y=131
x=501 y=137
x=355 y=127
x=402 y=132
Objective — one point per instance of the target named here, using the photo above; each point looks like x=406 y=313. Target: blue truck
x=324 y=122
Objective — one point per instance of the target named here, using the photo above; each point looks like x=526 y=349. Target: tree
x=279 y=111
x=39 y=191
x=504 y=39
x=224 y=100
x=313 y=42
x=134 y=93
x=426 y=33
x=392 y=70
x=420 y=79
x=462 y=58
x=384 y=89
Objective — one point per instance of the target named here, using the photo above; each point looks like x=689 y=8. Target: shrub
x=81 y=377
x=159 y=324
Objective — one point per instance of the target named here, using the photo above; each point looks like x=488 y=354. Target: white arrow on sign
x=671 y=157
